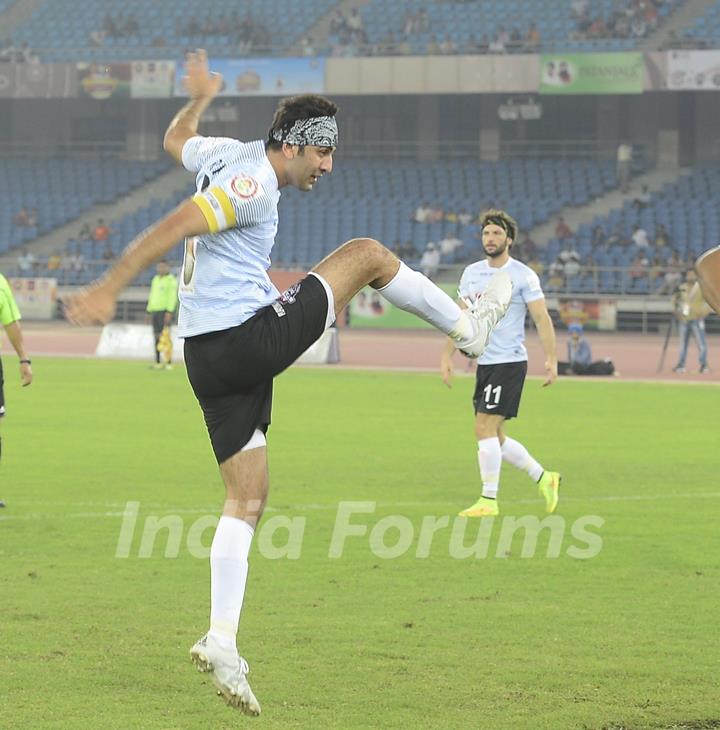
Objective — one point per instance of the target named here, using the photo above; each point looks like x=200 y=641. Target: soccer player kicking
x=503 y=364
x=240 y=332
x=10 y=320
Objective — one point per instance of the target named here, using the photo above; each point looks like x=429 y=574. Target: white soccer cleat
x=228 y=672
x=485 y=312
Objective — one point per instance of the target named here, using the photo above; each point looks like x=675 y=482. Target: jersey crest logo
x=244 y=186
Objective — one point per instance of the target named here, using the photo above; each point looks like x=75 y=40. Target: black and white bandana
x=316 y=131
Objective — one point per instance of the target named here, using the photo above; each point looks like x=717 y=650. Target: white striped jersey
x=507 y=340
x=224 y=278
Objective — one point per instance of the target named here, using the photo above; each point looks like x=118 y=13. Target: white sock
x=516 y=454
x=415 y=293
x=490 y=461
x=228 y=574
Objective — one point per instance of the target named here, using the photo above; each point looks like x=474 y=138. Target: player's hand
x=446 y=371
x=93 y=305
x=550 y=372
x=26 y=374
x=198 y=81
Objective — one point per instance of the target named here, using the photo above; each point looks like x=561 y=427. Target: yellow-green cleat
x=484 y=507
x=549 y=489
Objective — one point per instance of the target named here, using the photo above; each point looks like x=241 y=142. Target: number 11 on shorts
x=492 y=395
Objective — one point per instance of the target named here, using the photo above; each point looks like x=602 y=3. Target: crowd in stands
x=632 y=19
x=9 y=53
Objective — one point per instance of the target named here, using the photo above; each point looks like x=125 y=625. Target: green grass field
x=625 y=639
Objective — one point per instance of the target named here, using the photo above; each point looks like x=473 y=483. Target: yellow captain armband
x=217 y=209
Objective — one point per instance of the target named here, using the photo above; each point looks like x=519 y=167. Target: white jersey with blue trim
x=507 y=340
x=224 y=278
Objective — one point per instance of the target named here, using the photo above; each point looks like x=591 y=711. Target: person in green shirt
x=10 y=320
x=162 y=304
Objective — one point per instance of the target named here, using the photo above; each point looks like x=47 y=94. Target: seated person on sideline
x=580 y=360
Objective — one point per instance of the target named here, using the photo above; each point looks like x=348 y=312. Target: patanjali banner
x=693 y=70
x=592 y=73
x=265 y=76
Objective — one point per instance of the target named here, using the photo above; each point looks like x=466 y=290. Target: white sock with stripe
x=228 y=575
x=516 y=454
x=411 y=291
x=490 y=461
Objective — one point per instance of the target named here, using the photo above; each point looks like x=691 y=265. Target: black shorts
x=158 y=322
x=232 y=371
x=498 y=388
x=2 y=392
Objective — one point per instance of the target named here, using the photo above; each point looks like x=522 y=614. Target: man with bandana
x=503 y=365
x=240 y=332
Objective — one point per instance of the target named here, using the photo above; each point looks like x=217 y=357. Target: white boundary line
x=160 y=509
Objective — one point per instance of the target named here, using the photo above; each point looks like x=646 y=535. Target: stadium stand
x=62 y=30
x=378 y=199
x=687 y=211
x=469 y=25
x=705 y=29
x=63 y=189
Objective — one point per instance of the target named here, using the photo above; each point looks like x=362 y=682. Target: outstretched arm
x=96 y=303
x=203 y=87
x=541 y=317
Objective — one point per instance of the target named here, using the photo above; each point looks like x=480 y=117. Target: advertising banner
x=36 y=298
x=38 y=80
x=152 y=79
x=104 y=80
x=693 y=70
x=369 y=309
x=593 y=314
x=265 y=76
x=592 y=73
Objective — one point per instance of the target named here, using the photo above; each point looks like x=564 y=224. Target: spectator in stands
x=640 y=237
x=579 y=8
x=306 y=46
x=562 y=229
x=448 y=47
x=409 y=23
x=448 y=246
x=536 y=265
x=568 y=253
x=639 y=267
x=497 y=45
x=656 y=272
x=109 y=27
x=85 y=233
x=430 y=260
x=32 y=218
x=556 y=274
x=422 y=213
x=22 y=218
x=624 y=165
x=598 y=236
x=108 y=253
x=572 y=267
x=662 y=237
x=422 y=21
x=97 y=38
x=54 y=261
x=354 y=22
x=26 y=262
x=433 y=47
x=643 y=199
x=525 y=249
x=436 y=214
x=101 y=232
x=616 y=237
x=337 y=22
x=409 y=251
x=532 y=39
x=464 y=218
x=673 y=275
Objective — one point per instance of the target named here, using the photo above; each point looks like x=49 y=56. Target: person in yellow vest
x=691 y=310
x=161 y=307
x=10 y=320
